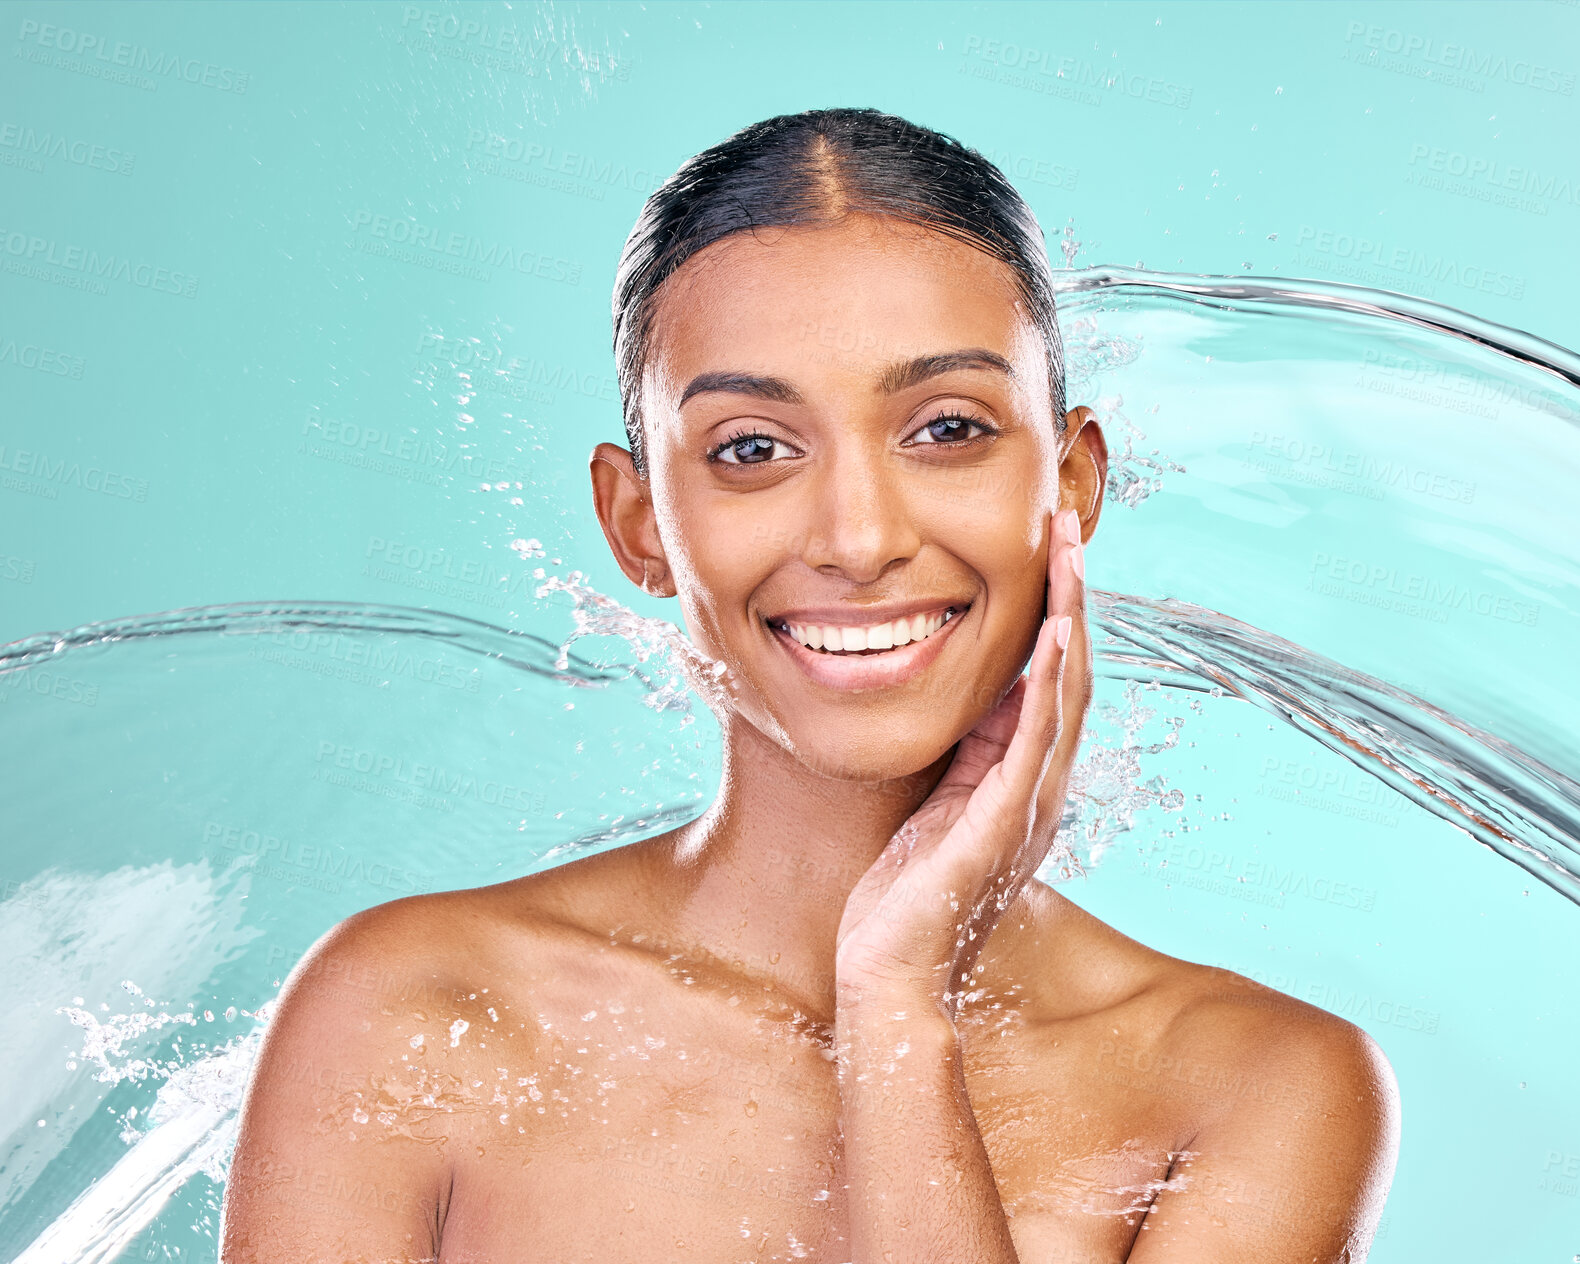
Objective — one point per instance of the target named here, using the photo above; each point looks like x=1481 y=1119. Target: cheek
x=1017 y=577
x=716 y=572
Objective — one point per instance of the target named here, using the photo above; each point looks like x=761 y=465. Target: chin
x=854 y=752
x=872 y=736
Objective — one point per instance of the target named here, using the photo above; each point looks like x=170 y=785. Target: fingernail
x=1072 y=526
x=1078 y=562
x=1061 y=632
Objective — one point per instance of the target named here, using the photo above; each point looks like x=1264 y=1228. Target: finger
x=993 y=739
x=1038 y=731
x=987 y=743
x=1073 y=690
x=1046 y=650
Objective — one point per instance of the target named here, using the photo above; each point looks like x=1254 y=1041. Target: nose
x=862 y=516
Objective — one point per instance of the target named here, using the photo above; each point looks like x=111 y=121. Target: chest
x=709 y=1143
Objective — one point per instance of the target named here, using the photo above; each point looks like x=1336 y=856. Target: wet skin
x=628 y=1057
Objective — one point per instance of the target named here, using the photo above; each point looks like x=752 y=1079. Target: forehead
x=868 y=290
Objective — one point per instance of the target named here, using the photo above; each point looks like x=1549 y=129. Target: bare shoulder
x=1284 y=1049
x=1224 y=1050
x=1215 y=1025
x=365 y=1082
x=464 y=955
x=1255 y=1085
x=453 y=952
x=350 y=1009
x=1251 y=1045
x=405 y=950
x=1275 y=1082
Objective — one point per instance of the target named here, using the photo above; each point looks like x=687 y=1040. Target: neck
x=762 y=878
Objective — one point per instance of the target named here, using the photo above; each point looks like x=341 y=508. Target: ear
x=1083 y=468
x=624 y=502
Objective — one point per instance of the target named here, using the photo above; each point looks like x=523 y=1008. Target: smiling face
x=850 y=438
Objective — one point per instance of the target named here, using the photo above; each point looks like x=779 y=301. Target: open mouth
x=839 y=641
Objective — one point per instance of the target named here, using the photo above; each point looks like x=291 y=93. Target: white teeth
x=882 y=636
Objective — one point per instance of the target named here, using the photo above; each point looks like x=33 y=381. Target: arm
x=920 y=1185
x=921 y=1188
x=316 y=1177
x=1295 y=1168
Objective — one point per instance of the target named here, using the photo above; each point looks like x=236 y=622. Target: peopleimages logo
x=1488 y=394
x=24 y=355
x=1378 y=584
x=385 y=451
x=1477 y=170
x=1031 y=167
x=1460 y=57
x=489 y=368
x=566 y=162
x=50 y=474
x=1042 y=71
x=406 y=239
x=437 y=570
x=505 y=47
x=434 y=778
x=1361 y=250
x=1302 y=458
x=27 y=254
x=329 y=860
x=97 y=55
x=35 y=145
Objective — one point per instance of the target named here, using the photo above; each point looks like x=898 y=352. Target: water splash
x=1494 y=792
x=1117 y=286
x=596 y=614
x=1132 y=476
x=1108 y=789
x=1092 y=1184
x=189 y=1131
x=1504 y=798
x=104 y=1043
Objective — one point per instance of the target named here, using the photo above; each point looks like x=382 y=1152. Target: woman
x=837 y=1017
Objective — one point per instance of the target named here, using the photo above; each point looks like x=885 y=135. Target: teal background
x=234 y=407
x=269 y=406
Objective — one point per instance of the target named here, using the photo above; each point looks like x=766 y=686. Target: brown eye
x=746 y=449
x=951 y=429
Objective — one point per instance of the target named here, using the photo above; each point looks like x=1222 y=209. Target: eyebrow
x=891 y=380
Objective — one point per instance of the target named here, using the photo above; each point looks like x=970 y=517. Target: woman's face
x=846 y=426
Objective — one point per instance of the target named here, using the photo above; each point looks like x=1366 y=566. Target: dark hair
x=814 y=168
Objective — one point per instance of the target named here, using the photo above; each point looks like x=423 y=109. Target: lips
x=867 y=668
x=867 y=638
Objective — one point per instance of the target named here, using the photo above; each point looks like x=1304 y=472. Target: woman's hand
x=920 y=916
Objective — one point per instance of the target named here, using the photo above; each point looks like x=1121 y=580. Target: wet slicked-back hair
x=813 y=169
